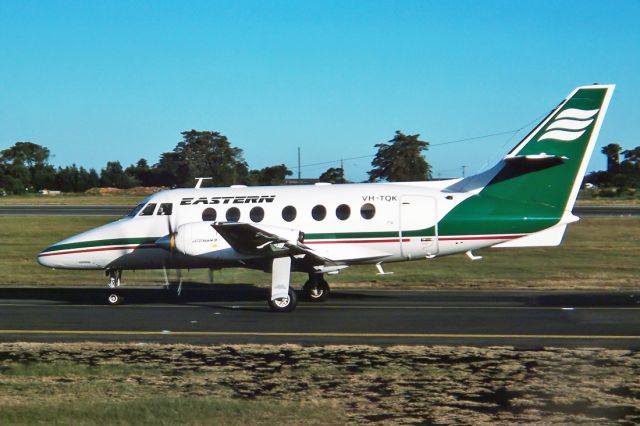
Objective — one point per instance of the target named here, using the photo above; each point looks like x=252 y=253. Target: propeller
x=168 y=242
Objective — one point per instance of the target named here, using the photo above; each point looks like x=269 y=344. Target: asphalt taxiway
x=225 y=313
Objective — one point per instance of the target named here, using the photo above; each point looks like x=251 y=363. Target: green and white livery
x=523 y=201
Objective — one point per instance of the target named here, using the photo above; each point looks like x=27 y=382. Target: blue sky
x=97 y=81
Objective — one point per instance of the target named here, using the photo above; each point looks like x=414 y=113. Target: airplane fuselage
x=351 y=223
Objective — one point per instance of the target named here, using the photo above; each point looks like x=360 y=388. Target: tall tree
x=203 y=154
x=400 y=160
x=333 y=175
x=612 y=151
x=141 y=172
x=24 y=167
x=272 y=175
x=113 y=176
x=630 y=166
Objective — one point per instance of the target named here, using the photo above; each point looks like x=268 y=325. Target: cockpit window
x=148 y=211
x=135 y=211
x=165 y=209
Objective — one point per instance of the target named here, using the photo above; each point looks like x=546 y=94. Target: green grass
x=77 y=393
x=589 y=197
x=72 y=199
x=68 y=369
x=169 y=411
x=597 y=252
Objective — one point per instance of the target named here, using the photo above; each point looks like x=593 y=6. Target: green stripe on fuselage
x=100 y=243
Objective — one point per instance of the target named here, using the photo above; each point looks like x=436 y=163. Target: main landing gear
x=316 y=289
x=115 y=279
x=284 y=304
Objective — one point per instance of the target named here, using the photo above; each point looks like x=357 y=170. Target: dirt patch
x=399 y=385
x=137 y=190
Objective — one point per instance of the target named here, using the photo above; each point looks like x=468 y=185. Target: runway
x=211 y=314
x=119 y=210
x=66 y=210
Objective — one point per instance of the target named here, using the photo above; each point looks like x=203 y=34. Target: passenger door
x=418 y=213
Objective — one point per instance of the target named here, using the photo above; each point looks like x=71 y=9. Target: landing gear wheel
x=316 y=291
x=284 y=304
x=114 y=299
x=115 y=278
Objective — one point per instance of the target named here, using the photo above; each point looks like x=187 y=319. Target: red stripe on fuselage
x=483 y=237
x=406 y=240
x=55 y=253
x=396 y=240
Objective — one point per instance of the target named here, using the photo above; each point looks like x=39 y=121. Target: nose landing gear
x=115 y=279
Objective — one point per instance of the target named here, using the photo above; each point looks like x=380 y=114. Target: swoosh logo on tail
x=569 y=125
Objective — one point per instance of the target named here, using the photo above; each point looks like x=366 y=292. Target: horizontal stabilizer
x=550 y=237
x=543 y=160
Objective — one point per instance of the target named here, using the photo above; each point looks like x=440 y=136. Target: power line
x=506 y=132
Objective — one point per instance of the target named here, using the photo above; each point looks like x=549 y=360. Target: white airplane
x=523 y=201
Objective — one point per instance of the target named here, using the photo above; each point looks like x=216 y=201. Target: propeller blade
x=179 y=274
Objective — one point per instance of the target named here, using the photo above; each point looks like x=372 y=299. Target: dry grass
x=331 y=384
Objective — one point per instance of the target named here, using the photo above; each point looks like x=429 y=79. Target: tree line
x=621 y=176
x=25 y=167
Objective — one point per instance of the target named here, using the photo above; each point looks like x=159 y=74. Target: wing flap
x=251 y=240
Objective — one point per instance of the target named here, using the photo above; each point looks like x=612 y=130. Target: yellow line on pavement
x=305 y=334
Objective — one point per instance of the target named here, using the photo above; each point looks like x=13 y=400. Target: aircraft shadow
x=191 y=292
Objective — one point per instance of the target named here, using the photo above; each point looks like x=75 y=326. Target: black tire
x=284 y=305
x=114 y=299
x=316 y=292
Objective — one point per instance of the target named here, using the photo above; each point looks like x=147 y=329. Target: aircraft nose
x=46 y=258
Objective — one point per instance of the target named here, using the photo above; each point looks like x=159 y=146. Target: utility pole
x=464 y=169
x=299 y=169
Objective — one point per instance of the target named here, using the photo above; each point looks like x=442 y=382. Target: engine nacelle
x=200 y=239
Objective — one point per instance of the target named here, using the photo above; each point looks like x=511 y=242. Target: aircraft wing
x=254 y=241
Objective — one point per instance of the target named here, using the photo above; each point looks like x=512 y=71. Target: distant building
x=302 y=181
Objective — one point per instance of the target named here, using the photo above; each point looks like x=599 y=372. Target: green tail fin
x=538 y=181
x=548 y=165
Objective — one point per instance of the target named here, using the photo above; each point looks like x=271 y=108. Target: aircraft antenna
x=199 y=181
x=299 y=169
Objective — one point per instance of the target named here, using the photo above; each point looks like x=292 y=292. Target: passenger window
x=343 y=212
x=233 y=214
x=319 y=212
x=209 y=215
x=148 y=211
x=135 y=211
x=165 y=209
x=368 y=211
x=289 y=213
x=256 y=214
